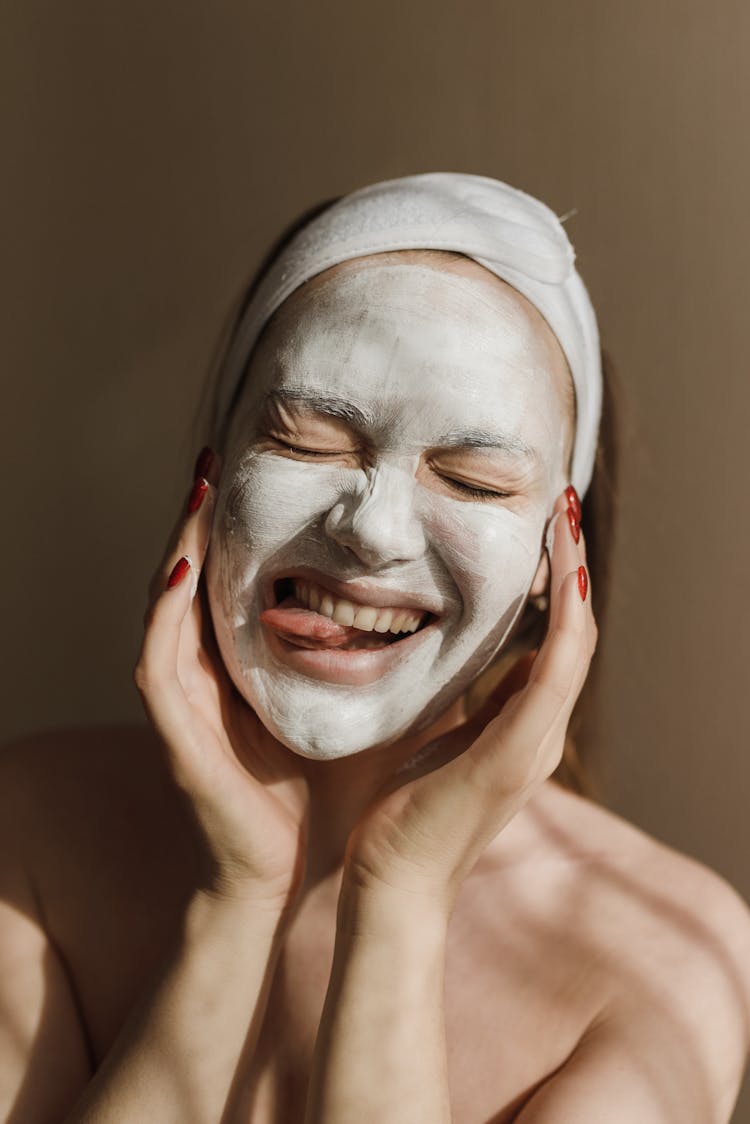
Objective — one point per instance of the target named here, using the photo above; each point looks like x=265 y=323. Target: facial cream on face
x=381 y=406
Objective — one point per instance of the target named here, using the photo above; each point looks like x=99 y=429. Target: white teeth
x=326 y=605
x=343 y=613
x=383 y=623
x=364 y=617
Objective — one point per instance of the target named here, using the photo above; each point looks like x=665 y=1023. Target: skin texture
x=425 y=354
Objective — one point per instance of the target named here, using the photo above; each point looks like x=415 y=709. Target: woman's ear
x=541 y=577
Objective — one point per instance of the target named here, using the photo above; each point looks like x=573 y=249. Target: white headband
x=512 y=234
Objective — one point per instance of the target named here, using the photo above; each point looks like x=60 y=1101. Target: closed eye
x=458 y=485
x=300 y=452
x=476 y=493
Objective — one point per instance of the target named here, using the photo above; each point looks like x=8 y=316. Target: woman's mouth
x=314 y=642
x=311 y=616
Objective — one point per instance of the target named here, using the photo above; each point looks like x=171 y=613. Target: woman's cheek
x=491 y=552
x=271 y=498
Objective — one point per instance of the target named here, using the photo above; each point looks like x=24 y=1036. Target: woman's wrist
x=210 y=915
x=381 y=1037
x=380 y=908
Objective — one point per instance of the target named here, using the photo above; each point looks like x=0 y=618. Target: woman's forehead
x=414 y=312
x=385 y=331
x=410 y=283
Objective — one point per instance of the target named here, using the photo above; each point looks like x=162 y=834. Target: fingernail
x=572 y=497
x=575 y=529
x=181 y=567
x=583 y=582
x=204 y=462
x=200 y=487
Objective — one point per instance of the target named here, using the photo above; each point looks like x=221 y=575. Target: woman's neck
x=341 y=790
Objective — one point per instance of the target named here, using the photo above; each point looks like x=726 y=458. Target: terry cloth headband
x=514 y=235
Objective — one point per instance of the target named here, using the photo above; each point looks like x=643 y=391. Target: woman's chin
x=332 y=732
x=328 y=744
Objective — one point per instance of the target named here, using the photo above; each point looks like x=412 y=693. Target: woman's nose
x=379 y=523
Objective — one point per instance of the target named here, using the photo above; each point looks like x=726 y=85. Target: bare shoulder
x=657 y=884
x=671 y=937
x=94 y=867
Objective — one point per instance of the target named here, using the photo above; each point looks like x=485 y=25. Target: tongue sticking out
x=308 y=629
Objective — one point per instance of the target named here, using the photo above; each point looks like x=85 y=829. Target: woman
x=317 y=887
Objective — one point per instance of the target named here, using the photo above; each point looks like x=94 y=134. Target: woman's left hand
x=426 y=829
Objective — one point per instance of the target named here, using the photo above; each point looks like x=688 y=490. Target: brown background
x=151 y=153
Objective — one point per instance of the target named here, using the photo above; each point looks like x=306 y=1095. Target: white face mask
x=388 y=372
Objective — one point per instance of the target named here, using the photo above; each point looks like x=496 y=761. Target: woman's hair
x=598 y=520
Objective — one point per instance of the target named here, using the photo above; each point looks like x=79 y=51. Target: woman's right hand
x=248 y=796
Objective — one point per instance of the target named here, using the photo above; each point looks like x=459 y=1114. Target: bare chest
x=510 y=1018
x=517 y=999
x=116 y=870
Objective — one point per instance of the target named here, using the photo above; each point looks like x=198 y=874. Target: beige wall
x=153 y=150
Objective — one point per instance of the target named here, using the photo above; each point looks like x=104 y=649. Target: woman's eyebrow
x=323 y=404
x=342 y=408
x=507 y=443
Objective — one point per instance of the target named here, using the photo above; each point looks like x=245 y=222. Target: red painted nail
x=575 y=529
x=583 y=582
x=181 y=567
x=200 y=487
x=206 y=458
x=572 y=497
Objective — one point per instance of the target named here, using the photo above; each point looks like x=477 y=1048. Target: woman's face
x=398 y=445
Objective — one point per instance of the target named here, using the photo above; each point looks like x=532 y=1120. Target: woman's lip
x=358 y=592
x=356 y=668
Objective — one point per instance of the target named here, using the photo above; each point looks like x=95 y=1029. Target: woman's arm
x=380 y=1052
x=199 y=1020
x=197 y=1023
x=193 y=1025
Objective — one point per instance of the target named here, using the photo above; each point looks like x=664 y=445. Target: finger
x=563 y=654
x=208 y=466
x=155 y=673
x=200 y=496
x=562 y=662
x=191 y=540
x=568 y=553
x=563 y=550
